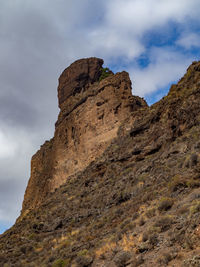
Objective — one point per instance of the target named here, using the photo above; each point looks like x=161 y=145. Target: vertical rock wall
x=91 y=112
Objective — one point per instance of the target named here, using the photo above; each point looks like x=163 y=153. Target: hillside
x=118 y=185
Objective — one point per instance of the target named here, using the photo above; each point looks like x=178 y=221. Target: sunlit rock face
x=118 y=184
x=91 y=111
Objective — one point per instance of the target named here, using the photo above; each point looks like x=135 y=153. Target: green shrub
x=105 y=72
x=194 y=261
x=122 y=258
x=150 y=213
x=83 y=261
x=182 y=210
x=83 y=252
x=195 y=208
x=141 y=221
x=177 y=182
x=192 y=183
x=153 y=239
x=165 y=204
x=60 y=263
x=164 y=223
x=31 y=236
x=165 y=259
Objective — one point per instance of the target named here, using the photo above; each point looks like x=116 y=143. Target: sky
x=154 y=40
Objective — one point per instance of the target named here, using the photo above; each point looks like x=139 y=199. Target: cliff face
x=134 y=201
x=91 y=112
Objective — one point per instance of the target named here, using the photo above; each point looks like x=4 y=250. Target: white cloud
x=8 y=147
x=126 y=22
x=165 y=66
x=189 y=41
x=109 y=44
x=142 y=15
x=17 y=147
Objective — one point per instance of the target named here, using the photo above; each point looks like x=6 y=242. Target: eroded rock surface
x=136 y=204
x=90 y=116
x=78 y=76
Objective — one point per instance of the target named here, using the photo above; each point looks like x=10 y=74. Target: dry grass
x=127 y=243
x=62 y=241
x=108 y=247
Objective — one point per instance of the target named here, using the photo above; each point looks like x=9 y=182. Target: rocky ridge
x=136 y=204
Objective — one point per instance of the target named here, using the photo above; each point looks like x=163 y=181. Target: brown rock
x=78 y=76
x=90 y=116
x=108 y=213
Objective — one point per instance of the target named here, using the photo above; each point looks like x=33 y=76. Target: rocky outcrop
x=136 y=204
x=77 y=77
x=90 y=116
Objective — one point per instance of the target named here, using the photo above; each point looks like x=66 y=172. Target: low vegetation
x=126 y=208
x=105 y=72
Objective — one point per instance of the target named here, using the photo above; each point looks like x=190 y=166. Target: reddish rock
x=91 y=114
x=126 y=160
x=78 y=76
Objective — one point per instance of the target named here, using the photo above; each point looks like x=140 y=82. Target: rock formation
x=91 y=112
x=127 y=178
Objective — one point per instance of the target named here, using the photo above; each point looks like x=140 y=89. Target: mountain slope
x=136 y=204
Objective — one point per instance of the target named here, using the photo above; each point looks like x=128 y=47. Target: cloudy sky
x=152 y=39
